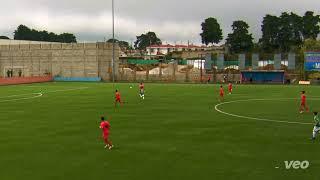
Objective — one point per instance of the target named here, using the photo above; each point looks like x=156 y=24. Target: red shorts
x=230 y=90
x=303 y=103
x=118 y=99
x=105 y=135
x=221 y=95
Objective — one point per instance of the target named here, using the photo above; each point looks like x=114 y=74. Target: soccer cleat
x=110 y=147
x=106 y=146
x=301 y=112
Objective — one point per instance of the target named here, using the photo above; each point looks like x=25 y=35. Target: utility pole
x=113 y=43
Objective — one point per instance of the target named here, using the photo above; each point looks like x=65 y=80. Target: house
x=155 y=50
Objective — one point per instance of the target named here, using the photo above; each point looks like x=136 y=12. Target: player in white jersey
x=316 y=128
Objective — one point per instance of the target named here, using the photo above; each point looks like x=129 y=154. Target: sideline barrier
x=77 y=79
x=24 y=80
x=263 y=76
x=304 y=82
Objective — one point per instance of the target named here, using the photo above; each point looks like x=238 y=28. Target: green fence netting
x=142 y=61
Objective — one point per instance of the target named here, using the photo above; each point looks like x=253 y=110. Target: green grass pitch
x=51 y=131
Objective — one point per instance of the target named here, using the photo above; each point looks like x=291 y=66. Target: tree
x=289 y=31
x=4 y=37
x=310 y=25
x=282 y=33
x=145 y=40
x=25 y=33
x=311 y=45
x=124 y=45
x=270 y=29
x=22 y=33
x=53 y=37
x=211 y=31
x=111 y=40
x=67 y=38
x=240 y=40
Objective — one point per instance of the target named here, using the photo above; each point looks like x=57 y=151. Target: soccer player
x=230 y=88
x=316 y=128
x=303 y=104
x=141 y=88
x=221 y=94
x=118 y=98
x=105 y=126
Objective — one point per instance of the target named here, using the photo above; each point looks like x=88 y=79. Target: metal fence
x=192 y=71
x=211 y=68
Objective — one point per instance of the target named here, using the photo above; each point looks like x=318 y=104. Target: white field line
x=19 y=99
x=64 y=90
x=60 y=90
x=37 y=94
x=17 y=95
x=259 y=119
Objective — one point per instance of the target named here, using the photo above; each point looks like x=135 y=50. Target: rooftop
x=176 y=46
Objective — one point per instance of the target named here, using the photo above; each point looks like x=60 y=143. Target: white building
x=154 y=50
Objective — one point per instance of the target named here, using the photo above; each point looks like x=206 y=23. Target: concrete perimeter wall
x=59 y=59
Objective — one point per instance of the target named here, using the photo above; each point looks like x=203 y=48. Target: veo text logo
x=296 y=164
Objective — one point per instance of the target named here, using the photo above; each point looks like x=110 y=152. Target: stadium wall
x=77 y=79
x=82 y=60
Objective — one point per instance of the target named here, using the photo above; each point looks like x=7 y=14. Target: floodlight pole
x=113 y=43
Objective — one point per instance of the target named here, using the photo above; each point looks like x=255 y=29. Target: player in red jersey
x=230 y=88
x=303 y=104
x=105 y=126
x=141 y=90
x=221 y=94
x=118 y=98
x=209 y=79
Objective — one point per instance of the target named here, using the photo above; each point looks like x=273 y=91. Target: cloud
x=172 y=20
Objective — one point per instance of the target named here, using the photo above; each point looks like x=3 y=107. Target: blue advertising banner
x=312 y=61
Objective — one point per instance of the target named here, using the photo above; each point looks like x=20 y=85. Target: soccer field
x=51 y=131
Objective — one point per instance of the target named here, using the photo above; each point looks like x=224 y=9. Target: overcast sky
x=173 y=20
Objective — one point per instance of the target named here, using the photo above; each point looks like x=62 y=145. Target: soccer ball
x=130 y=87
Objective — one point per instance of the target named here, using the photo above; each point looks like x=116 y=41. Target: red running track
x=25 y=80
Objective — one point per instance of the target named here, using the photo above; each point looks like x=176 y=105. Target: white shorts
x=316 y=129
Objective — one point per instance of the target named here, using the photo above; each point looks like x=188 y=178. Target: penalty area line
x=36 y=95
x=17 y=95
x=64 y=90
x=19 y=99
